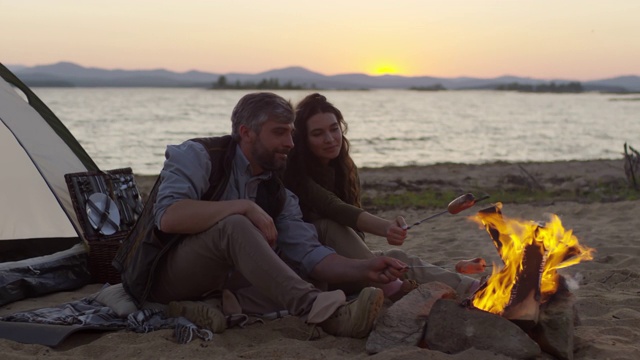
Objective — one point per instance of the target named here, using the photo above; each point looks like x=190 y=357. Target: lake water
x=130 y=127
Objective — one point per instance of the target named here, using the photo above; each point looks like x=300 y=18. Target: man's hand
x=384 y=269
x=397 y=231
x=262 y=221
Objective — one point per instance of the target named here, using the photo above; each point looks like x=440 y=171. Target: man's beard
x=267 y=159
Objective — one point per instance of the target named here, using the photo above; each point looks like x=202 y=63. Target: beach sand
x=608 y=299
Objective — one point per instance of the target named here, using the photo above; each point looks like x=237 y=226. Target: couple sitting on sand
x=224 y=218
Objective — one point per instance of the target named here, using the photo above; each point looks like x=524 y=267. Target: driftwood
x=533 y=183
x=632 y=165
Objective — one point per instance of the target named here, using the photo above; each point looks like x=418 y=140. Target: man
x=223 y=220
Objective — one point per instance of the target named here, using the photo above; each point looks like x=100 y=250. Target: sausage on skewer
x=473 y=266
x=461 y=203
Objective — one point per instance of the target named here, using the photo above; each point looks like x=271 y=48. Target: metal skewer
x=427 y=218
x=426 y=266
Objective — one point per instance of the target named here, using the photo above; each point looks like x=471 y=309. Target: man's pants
x=200 y=264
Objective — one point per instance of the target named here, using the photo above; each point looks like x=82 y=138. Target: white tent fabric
x=31 y=211
x=40 y=240
x=33 y=159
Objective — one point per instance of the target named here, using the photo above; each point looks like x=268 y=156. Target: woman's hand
x=396 y=231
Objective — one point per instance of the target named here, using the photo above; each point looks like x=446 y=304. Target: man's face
x=270 y=148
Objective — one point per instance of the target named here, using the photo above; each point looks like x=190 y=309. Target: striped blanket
x=89 y=312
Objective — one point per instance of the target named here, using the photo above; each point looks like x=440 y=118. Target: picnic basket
x=107 y=204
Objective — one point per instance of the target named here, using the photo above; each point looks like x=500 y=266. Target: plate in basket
x=103 y=214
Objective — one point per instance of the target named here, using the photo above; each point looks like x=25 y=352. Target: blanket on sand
x=88 y=312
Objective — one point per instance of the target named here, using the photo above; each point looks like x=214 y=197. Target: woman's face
x=324 y=136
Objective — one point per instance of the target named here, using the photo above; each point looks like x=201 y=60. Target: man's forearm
x=372 y=224
x=194 y=216
x=337 y=269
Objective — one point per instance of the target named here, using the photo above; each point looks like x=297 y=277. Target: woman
x=322 y=174
x=331 y=187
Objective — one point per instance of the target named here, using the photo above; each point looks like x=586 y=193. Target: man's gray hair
x=254 y=109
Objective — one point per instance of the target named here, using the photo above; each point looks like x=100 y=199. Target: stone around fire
x=453 y=328
x=403 y=322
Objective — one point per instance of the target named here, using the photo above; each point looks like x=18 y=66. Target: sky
x=545 y=39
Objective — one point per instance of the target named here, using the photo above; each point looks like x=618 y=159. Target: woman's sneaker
x=406 y=287
x=356 y=318
x=200 y=313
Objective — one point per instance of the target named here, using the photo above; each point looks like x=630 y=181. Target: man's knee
x=235 y=221
x=239 y=226
x=226 y=226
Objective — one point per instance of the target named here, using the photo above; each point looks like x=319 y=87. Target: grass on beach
x=439 y=199
x=605 y=192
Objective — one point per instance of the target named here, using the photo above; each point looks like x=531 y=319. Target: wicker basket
x=119 y=185
x=101 y=253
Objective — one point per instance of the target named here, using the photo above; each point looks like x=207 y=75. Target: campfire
x=524 y=308
x=532 y=253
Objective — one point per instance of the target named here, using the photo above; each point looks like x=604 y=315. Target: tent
x=41 y=246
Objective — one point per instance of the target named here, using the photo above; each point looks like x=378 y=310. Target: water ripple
x=132 y=126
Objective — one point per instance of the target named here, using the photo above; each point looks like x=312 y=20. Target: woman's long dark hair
x=303 y=161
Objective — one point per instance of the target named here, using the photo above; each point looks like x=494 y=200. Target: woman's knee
x=343 y=239
x=397 y=254
x=322 y=226
x=330 y=229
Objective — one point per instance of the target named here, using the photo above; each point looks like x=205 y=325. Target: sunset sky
x=570 y=39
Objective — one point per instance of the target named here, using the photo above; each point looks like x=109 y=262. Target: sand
x=608 y=299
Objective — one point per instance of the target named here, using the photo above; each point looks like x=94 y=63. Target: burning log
x=524 y=304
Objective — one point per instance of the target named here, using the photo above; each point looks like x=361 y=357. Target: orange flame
x=560 y=246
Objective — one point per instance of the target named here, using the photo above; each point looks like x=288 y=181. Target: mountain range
x=68 y=74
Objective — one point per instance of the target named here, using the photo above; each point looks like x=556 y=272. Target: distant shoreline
x=208 y=87
x=71 y=73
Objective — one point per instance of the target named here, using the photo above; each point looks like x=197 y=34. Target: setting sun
x=385 y=69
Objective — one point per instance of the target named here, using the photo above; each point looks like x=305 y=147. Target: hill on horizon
x=74 y=75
